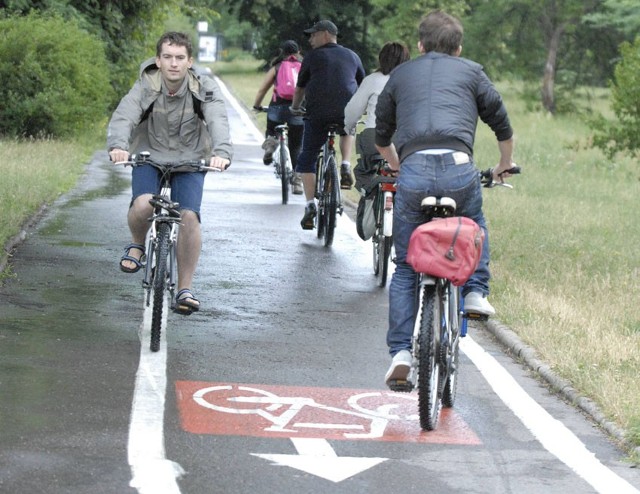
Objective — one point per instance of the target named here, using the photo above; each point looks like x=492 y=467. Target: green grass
x=36 y=172
x=563 y=241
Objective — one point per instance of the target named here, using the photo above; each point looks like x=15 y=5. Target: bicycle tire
x=284 y=176
x=384 y=253
x=379 y=211
x=159 y=283
x=429 y=358
x=451 y=384
x=331 y=185
x=320 y=179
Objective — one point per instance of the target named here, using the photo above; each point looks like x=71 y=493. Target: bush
x=624 y=133
x=54 y=77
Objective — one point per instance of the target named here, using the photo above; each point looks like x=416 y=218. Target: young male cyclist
x=433 y=126
x=175 y=116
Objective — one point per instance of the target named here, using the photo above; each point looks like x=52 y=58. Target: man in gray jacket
x=175 y=116
x=432 y=105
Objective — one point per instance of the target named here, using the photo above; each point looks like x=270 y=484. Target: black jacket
x=434 y=101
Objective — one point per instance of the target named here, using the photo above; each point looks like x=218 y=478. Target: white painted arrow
x=317 y=457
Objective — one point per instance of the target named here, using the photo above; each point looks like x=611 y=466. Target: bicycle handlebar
x=486 y=177
x=188 y=165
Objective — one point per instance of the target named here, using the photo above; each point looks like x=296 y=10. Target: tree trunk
x=548 y=79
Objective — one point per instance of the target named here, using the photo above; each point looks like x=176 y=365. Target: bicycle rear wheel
x=330 y=194
x=429 y=372
x=320 y=179
x=451 y=385
x=159 y=283
x=384 y=253
x=284 y=175
x=381 y=243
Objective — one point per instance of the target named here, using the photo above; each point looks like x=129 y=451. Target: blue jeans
x=422 y=175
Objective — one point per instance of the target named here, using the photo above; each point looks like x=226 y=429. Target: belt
x=448 y=157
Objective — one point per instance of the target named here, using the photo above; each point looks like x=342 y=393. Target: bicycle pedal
x=473 y=316
x=400 y=385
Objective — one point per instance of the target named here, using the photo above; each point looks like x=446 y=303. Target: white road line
x=249 y=125
x=551 y=433
x=151 y=472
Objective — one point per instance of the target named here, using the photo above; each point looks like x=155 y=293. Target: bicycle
x=283 y=167
x=160 y=264
x=439 y=324
x=383 y=211
x=327 y=188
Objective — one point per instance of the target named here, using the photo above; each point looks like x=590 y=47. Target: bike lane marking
x=309 y=417
x=311 y=412
x=151 y=471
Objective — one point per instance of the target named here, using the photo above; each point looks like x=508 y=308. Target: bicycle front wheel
x=428 y=358
x=284 y=175
x=159 y=283
x=330 y=194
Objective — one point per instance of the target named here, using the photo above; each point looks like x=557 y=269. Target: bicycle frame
x=164 y=212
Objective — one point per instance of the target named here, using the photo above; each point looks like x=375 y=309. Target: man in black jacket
x=329 y=76
x=430 y=106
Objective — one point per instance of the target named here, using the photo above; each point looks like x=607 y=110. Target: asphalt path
x=276 y=385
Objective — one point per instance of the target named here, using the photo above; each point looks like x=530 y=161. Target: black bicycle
x=327 y=190
x=383 y=211
x=283 y=166
x=160 y=266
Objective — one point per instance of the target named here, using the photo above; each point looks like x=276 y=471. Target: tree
x=624 y=133
x=537 y=38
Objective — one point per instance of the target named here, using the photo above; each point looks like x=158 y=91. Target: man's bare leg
x=138 y=220
x=189 y=247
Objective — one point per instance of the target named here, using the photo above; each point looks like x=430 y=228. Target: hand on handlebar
x=218 y=164
x=119 y=156
x=493 y=177
x=298 y=112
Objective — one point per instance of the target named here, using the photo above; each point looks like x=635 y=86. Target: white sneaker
x=400 y=367
x=476 y=303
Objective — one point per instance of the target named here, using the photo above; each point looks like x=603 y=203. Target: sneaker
x=400 y=367
x=476 y=303
x=308 y=220
x=346 y=180
x=269 y=145
x=296 y=183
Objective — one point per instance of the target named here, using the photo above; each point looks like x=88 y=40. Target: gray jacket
x=434 y=101
x=172 y=131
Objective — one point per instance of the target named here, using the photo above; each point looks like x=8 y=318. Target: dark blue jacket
x=434 y=101
x=330 y=74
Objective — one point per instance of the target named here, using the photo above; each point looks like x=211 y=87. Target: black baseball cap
x=328 y=26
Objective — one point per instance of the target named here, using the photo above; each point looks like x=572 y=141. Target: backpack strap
x=197 y=107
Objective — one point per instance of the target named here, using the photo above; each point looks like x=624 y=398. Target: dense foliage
x=55 y=79
x=623 y=134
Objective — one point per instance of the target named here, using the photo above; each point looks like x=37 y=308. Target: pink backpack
x=286 y=78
